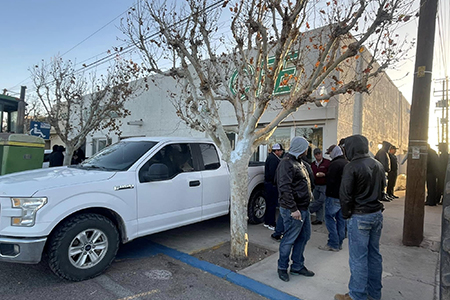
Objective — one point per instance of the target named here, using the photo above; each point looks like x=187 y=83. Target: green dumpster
x=20 y=152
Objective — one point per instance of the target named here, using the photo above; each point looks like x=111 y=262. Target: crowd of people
x=345 y=192
x=56 y=158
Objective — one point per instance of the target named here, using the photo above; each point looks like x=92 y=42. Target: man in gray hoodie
x=294 y=194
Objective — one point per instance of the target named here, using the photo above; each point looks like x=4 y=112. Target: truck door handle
x=194 y=183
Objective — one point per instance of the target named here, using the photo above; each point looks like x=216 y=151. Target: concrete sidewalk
x=408 y=272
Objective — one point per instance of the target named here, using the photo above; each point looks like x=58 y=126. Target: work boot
x=342 y=297
x=283 y=275
x=304 y=272
x=275 y=237
x=385 y=199
x=328 y=248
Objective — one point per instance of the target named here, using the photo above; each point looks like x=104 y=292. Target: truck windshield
x=117 y=157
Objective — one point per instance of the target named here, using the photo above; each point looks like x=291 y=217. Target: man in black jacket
x=392 y=174
x=294 y=194
x=383 y=157
x=363 y=181
x=270 y=168
x=333 y=216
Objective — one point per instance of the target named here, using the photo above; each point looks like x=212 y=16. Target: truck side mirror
x=157 y=172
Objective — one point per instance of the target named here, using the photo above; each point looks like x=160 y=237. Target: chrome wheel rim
x=88 y=248
x=260 y=207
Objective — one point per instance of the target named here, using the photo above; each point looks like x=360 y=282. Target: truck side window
x=210 y=156
x=167 y=163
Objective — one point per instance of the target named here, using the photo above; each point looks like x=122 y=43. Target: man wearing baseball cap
x=320 y=169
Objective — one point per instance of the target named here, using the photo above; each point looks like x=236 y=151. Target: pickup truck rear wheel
x=83 y=247
x=256 y=207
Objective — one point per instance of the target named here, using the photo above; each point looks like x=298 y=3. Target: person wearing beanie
x=294 y=195
x=333 y=215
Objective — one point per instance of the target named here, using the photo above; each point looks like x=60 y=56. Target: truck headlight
x=29 y=208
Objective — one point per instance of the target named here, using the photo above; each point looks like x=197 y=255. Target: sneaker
x=342 y=297
x=304 y=272
x=276 y=237
x=385 y=199
x=328 y=248
x=270 y=227
x=393 y=196
x=283 y=275
x=316 y=222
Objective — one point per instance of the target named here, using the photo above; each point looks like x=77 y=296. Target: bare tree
x=78 y=102
x=33 y=112
x=286 y=53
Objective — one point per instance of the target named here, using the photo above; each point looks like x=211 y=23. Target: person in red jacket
x=320 y=169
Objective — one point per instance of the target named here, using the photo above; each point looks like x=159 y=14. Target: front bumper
x=21 y=250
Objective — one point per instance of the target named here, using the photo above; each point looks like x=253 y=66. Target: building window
x=281 y=135
x=100 y=143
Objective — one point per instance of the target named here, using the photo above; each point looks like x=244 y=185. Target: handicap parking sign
x=40 y=129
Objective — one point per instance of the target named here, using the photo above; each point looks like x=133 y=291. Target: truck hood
x=27 y=183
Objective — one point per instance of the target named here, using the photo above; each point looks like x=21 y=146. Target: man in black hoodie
x=383 y=157
x=363 y=181
x=333 y=215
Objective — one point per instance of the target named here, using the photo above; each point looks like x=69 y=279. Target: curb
x=257 y=287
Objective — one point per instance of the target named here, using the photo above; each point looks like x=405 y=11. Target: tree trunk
x=68 y=156
x=239 y=211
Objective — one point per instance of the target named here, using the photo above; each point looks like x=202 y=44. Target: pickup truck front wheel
x=257 y=207
x=83 y=247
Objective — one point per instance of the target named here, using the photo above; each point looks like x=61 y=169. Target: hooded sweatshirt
x=363 y=179
x=383 y=156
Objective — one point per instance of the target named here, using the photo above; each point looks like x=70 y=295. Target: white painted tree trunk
x=239 y=204
x=68 y=156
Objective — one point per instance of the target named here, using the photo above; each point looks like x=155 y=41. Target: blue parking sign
x=40 y=129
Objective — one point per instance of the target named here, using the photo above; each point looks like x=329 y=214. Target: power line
x=78 y=44
x=131 y=47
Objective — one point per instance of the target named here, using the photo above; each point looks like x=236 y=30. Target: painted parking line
x=150 y=248
x=137 y=296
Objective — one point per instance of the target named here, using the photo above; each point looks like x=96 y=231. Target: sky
x=84 y=30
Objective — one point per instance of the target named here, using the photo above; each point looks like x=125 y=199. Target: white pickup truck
x=77 y=216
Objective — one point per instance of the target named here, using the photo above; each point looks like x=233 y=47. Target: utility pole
x=444 y=290
x=21 y=110
x=418 y=126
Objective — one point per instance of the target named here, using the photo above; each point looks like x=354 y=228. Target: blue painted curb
x=238 y=279
x=144 y=248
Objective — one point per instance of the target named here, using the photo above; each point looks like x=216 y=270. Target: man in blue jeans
x=361 y=190
x=333 y=215
x=294 y=192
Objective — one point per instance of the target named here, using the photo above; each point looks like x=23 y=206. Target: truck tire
x=83 y=247
x=257 y=207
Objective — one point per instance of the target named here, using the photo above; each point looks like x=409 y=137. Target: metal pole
x=358 y=105
x=418 y=129
x=21 y=110
x=443 y=112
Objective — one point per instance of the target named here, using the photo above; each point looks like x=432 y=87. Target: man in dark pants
x=270 y=168
x=294 y=190
x=392 y=174
x=432 y=174
x=363 y=182
x=333 y=215
x=383 y=157
x=320 y=169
